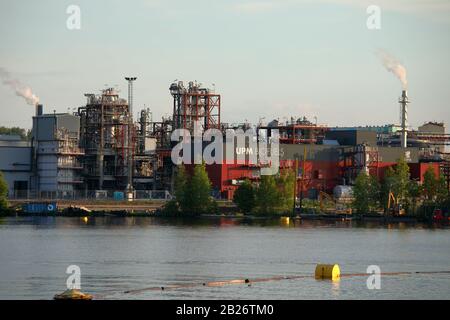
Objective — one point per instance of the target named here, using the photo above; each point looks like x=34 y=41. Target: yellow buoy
x=327 y=271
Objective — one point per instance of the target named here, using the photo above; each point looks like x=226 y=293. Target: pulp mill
x=100 y=151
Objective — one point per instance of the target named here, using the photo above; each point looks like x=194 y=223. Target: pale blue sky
x=266 y=58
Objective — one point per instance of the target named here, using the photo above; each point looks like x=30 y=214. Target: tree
x=387 y=186
x=429 y=185
x=441 y=190
x=286 y=186
x=396 y=181
x=366 y=192
x=244 y=197
x=414 y=191
x=434 y=188
x=192 y=193
x=401 y=179
x=3 y=192
x=198 y=198
x=267 y=195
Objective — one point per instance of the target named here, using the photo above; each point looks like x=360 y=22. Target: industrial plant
x=102 y=152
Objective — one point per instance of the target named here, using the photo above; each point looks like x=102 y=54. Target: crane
x=393 y=205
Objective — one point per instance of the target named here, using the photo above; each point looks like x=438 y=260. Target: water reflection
x=219 y=222
x=335 y=288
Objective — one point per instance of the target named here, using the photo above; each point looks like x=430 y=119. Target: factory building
x=15 y=164
x=56 y=153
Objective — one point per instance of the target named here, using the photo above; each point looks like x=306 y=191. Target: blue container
x=119 y=196
x=40 y=207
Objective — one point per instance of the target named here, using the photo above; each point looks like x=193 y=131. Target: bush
x=244 y=197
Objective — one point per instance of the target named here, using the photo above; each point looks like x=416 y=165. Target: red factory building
x=323 y=166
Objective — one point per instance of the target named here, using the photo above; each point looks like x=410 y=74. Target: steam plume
x=393 y=65
x=19 y=88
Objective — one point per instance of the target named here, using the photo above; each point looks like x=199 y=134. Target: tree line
x=274 y=194
x=22 y=133
x=414 y=197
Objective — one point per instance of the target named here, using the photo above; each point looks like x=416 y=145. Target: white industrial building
x=15 y=164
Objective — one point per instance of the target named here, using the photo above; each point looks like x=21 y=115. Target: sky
x=268 y=59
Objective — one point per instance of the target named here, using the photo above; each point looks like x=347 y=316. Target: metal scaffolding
x=105 y=122
x=194 y=103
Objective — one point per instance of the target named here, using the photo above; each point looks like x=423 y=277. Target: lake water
x=116 y=255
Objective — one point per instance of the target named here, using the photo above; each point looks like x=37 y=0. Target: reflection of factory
x=101 y=150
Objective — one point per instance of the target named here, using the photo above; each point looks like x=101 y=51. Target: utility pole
x=130 y=138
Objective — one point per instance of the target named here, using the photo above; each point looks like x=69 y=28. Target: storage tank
x=342 y=191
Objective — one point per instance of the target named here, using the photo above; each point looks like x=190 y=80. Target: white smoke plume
x=19 y=88
x=393 y=65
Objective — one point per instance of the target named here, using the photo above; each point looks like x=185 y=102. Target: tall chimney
x=39 y=109
x=130 y=137
x=404 y=118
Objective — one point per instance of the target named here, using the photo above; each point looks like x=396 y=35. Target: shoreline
x=154 y=214
x=154 y=209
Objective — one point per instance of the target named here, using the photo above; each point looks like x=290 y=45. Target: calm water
x=120 y=254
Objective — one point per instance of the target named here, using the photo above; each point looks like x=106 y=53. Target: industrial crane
x=393 y=205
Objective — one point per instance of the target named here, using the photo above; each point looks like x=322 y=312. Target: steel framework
x=194 y=104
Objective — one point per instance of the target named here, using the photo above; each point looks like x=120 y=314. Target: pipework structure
x=194 y=103
x=105 y=136
x=404 y=118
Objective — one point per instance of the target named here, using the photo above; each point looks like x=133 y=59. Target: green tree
x=429 y=185
x=401 y=183
x=286 y=186
x=397 y=181
x=24 y=134
x=441 y=190
x=267 y=195
x=200 y=190
x=244 y=197
x=3 y=192
x=387 y=186
x=192 y=193
x=366 y=192
x=414 y=191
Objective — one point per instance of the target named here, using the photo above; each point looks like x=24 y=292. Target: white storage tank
x=343 y=192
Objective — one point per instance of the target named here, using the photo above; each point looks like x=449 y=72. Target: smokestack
x=130 y=137
x=404 y=118
x=39 y=110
